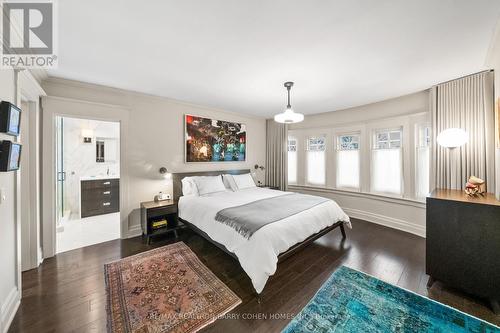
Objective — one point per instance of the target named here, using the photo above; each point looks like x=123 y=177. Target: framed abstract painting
x=212 y=140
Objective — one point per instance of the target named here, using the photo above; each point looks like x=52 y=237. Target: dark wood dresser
x=99 y=196
x=463 y=243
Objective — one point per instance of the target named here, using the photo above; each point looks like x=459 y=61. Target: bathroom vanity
x=99 y=195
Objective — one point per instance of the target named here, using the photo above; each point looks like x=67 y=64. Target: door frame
x=30 y=251
x=66 y=107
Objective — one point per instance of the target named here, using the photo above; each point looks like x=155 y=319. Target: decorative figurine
x=475 y=186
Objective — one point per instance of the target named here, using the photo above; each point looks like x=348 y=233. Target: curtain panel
x=465 y=103
x=276 y=154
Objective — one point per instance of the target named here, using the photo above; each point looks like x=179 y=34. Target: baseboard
x=387 y=221
x=9 y=309
x=134 y=231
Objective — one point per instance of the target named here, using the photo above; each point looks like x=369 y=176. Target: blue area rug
x=351 y=301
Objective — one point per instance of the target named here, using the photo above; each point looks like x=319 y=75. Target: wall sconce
x=87 y=135
x=164 y=172
x=452 y=138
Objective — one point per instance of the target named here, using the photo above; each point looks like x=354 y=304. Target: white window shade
x=316 y=167
x=386 y=171
x=316 y=161
x=348 y=168
x=292 y=161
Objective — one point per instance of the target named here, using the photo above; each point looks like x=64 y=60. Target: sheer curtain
x=465 y=103
x=276 y=154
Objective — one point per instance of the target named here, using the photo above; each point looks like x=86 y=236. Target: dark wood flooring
x=66 y=293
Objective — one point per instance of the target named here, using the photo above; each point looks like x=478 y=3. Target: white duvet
x=258 y=256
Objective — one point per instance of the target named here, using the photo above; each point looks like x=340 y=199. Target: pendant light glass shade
x=288 y=116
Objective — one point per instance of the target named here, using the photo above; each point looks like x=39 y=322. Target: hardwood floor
x=66 y=293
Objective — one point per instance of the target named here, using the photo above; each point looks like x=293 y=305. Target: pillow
x=229 y=183
x=188 y=186
x=209 y=184
x=243 y=181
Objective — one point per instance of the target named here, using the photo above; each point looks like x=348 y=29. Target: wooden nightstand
x=153 y=217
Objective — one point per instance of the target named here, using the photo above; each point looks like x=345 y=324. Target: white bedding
x=258 y=256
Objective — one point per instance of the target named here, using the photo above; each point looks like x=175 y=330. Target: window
x=422 y=158
x=386 y=163
x=348 y=161
x=292 y=161
x=316 y=160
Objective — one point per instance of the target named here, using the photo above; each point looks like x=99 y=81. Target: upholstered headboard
x=177 y=177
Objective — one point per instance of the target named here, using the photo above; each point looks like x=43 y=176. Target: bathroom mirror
x=106 y=150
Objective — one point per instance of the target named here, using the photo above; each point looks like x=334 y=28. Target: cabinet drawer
x=100 y=197
x=99 y=184
x=93 y=207
x=103 y=194
x=160 y=211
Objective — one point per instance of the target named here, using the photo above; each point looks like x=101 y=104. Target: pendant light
x=288 y=116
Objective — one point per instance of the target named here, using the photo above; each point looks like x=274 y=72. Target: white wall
x=406 y=212
x=8 y=214
x=80 y=158
x=155 y=136
x=408 y=104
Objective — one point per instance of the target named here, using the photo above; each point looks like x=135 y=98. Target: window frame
x=289 y=138
x=325 y=152
x=336 y=151
x=375 y=131
x=418 y=145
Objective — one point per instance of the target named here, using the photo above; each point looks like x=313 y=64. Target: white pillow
x=229 y=183
x=244 y=181
x=209 y=184
x=188 y=186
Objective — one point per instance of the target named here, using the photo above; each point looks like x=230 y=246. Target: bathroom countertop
x=99 y=177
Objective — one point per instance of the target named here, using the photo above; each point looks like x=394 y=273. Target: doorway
x=87 y=179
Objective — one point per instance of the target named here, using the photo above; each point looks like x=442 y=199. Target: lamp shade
x=452 y=138
x=87 y=133
x=289 y=117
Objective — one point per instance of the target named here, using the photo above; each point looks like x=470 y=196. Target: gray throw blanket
x=247 y=219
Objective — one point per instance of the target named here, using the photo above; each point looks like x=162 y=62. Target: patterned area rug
x=351 y=301
x=167 y=289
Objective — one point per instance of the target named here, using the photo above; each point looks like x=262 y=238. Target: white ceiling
x=235 y=54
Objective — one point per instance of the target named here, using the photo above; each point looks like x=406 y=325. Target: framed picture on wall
x=10 y=156
x=212 y=140
x=10 y=118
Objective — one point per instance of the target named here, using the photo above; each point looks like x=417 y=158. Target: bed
x=273 y=243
